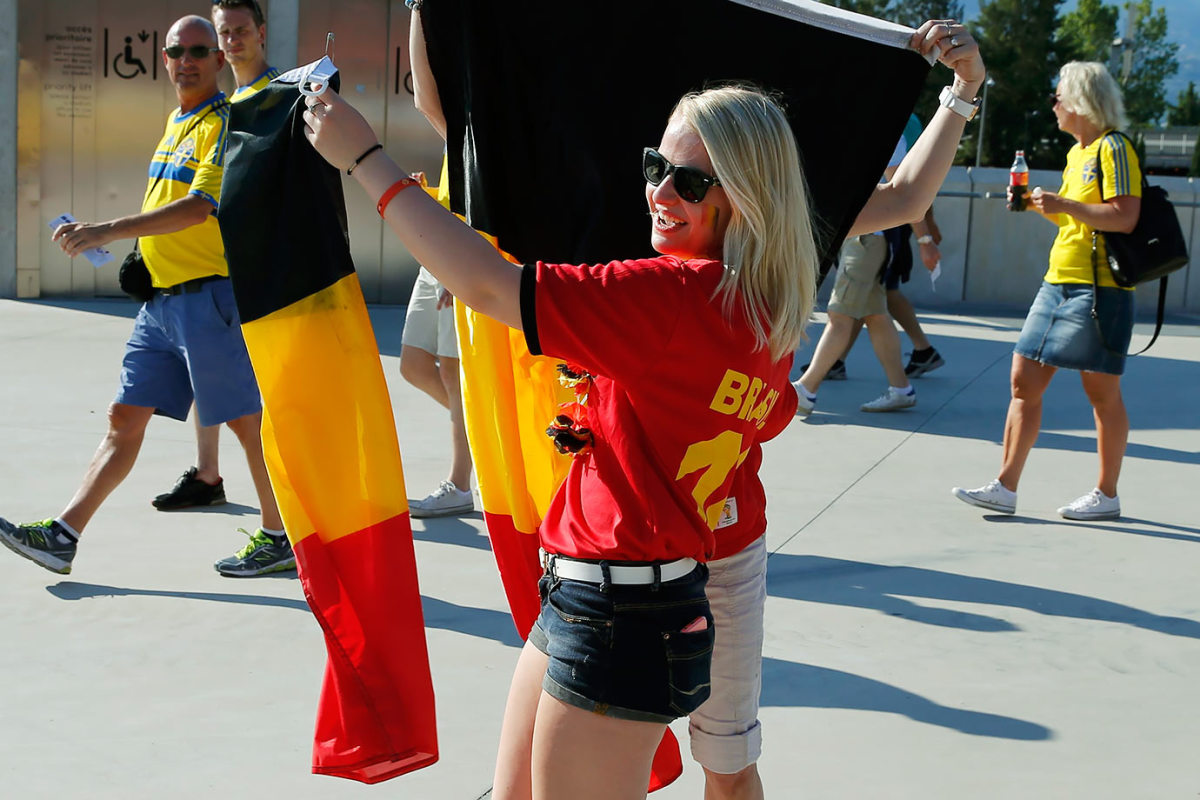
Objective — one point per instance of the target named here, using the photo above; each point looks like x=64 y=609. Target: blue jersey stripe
x=168 y=171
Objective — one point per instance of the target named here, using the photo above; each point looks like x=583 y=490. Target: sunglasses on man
x=196 y=51
x=691 y=184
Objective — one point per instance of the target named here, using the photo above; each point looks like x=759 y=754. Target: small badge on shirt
x=728 y=513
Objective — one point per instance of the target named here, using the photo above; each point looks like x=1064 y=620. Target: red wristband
x=395 y=189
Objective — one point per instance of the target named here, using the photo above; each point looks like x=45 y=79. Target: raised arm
x=425 y=92
x=915 y=184
x=456 y=255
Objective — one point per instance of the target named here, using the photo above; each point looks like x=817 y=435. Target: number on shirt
x=716 y=458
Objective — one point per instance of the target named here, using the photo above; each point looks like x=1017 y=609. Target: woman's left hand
x=336 y=129
x=954 y=46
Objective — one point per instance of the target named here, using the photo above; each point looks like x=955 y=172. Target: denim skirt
x=641 y=653
x=1059 y=330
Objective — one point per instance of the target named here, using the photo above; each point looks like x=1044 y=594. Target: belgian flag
x=329 y=438
x=548 y=106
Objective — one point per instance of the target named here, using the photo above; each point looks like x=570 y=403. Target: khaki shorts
x=725 y=731
x=857 y=291
x=426 y=327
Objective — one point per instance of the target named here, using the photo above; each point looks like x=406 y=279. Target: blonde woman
x=1059 y=332
x=683 y=360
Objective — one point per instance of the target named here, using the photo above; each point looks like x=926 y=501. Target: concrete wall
x=992 y=255
x=8 y=148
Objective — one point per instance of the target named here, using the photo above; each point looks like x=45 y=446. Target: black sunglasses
x=1054 y=99
x=196 y=51
x=691 y=184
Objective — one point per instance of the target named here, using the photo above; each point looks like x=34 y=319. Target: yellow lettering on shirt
x=728 y=398
x=759 y=415
x=756 y=386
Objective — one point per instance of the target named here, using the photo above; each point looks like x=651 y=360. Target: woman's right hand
x=336 y=130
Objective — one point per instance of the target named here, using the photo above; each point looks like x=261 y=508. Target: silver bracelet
x=413 y=5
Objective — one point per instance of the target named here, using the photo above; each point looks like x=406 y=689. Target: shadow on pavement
x=789 y=684
x=858 y=584
x=482 y=622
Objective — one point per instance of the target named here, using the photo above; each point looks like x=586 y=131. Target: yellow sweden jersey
x=252 y=88
x=192 y=165
x=1071 y=255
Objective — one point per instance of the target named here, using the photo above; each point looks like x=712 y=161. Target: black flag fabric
x=549 y=104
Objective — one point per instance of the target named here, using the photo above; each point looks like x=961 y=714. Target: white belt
x=573 y=569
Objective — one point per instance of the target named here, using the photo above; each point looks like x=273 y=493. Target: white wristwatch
x=926 y=239
x=964 y=108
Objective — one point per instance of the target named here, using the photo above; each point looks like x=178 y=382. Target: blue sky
x=1183 y=20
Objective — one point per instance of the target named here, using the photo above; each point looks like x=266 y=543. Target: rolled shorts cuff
x=726 y=754
x=560 y=692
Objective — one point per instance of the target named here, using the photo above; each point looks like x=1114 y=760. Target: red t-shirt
x=680 y=398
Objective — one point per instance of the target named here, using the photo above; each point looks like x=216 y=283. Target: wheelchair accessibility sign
x=131 y=56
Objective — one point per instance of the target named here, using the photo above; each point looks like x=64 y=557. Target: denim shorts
x=621 y=651
x=189 y=346
x=1059 y=330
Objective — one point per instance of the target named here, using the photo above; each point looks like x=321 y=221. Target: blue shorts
x=189 y=346
x=1059 y=330
x=621 y=652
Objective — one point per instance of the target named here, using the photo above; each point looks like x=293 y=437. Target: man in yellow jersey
x=186 y=342
x=242 y=36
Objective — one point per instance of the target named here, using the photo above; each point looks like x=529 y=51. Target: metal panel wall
x=93 y=99
x=371 y=50
x=94 y=95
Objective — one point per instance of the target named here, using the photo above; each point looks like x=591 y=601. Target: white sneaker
x=891 y=400
x=994 y=497
x=804 y=406
x=1093 y=505
x=446 y=501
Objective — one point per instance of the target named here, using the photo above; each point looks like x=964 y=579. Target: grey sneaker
x=891 y=400
x=993 y=496
x=45 y=543
x=445 y=501
x=1093 y=505
x=261 y=555
x=804 y=406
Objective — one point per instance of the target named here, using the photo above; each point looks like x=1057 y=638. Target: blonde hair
x=1087 y=88
x=769 y=252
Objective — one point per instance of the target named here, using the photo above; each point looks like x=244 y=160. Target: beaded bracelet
x=390 y=194
x=360 y=159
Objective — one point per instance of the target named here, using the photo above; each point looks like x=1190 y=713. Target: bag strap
x=137 y=243
x=1162 y=303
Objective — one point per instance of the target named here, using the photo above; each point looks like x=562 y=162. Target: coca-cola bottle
x=1018 y=182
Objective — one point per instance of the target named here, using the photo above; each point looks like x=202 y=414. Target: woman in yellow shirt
x=1059 y=331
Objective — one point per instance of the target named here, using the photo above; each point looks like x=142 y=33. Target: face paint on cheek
x=712 y=216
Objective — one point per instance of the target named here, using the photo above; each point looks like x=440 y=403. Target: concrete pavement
x=915 y=647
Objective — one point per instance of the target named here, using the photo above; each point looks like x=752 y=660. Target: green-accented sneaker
x=45 y=543
x=261 y=555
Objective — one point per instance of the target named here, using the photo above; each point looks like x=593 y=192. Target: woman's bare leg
x=1029 y=381
x=1112 y=426
x=581 y=755
x=512 y=780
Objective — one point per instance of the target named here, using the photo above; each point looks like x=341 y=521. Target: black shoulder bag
x=133 y=276
x=1152 y=250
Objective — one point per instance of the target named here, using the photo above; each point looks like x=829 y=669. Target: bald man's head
x=193 y=60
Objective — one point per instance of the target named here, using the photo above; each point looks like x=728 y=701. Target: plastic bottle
x=1018 y=182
